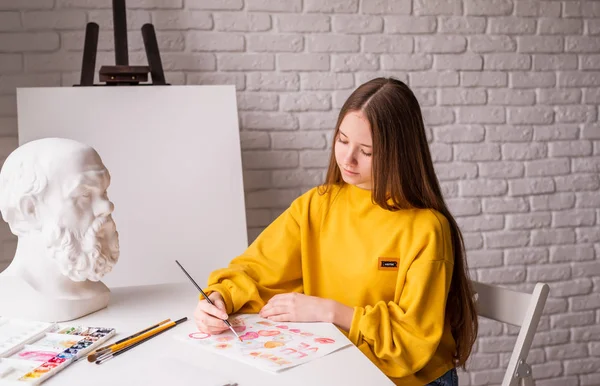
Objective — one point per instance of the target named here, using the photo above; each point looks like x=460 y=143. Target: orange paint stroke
x=268 y=332
x=272 y=344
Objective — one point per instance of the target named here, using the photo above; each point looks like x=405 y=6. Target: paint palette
x=31 y=352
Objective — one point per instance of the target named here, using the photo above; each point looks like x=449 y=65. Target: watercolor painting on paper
x=269 y=346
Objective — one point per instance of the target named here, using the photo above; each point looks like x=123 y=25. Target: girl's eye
x=365 y=153
x=340 y=140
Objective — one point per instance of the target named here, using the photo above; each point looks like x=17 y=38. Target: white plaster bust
x=53 y=196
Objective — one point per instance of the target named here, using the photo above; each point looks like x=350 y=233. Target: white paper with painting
x=267 y=345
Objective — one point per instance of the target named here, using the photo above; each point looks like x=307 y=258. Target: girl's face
x=353 y=150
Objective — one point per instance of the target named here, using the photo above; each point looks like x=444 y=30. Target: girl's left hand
x=296 y=307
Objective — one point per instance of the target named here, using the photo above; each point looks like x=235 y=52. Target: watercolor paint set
x=31 y=352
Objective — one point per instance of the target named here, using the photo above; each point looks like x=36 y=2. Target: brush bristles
x=95 y=355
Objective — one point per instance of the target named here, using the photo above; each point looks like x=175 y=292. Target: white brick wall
x=510 y=93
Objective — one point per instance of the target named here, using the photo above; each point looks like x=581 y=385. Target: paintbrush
x=207 y=299
x=102 y=350
x=129 y=342
x=107 y=356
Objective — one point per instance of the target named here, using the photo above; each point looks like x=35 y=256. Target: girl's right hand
x=209 y=318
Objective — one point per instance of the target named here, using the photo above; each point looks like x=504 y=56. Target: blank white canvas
x=173 y=153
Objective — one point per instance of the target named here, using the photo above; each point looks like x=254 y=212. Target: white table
x=166 y=360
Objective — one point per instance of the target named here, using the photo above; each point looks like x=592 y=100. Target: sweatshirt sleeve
x=271 y=265
x=401 y=336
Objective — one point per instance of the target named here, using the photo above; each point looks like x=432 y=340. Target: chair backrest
x=519 y=309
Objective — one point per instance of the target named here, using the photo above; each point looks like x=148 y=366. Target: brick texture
x=510 y=92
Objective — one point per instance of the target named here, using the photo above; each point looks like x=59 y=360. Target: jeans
x=448 y=379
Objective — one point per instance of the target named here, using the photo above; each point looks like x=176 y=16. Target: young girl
x=374 y=250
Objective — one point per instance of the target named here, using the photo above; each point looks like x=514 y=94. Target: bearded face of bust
x=78 y=227
x=55 y=190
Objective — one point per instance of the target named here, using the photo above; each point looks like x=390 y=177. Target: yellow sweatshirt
x=393 y=268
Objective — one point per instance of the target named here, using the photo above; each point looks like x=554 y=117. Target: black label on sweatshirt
x=388 y=263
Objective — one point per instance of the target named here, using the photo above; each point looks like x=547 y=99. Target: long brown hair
x=404 y=177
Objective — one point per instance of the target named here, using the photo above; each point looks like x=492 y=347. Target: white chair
x=519 y=309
